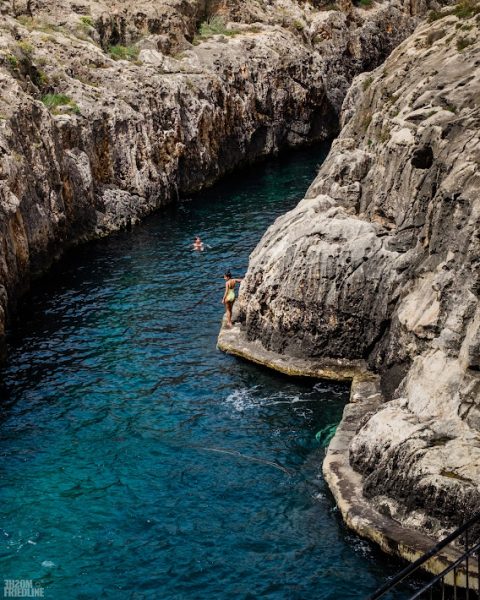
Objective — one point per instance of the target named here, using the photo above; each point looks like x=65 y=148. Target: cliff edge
x=381 y=262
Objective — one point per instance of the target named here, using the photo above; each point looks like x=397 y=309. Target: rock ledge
x=344 y=482
x=381 y=262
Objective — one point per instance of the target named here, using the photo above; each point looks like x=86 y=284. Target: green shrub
x=87 y=21
x=367 y=83
x=466 y=9
x=26 y=48
x=119 y=52
x=39 y=77
x=85 y=28
x=54 y=101
x=463 y=43
x=463 y=10
x=365 y=3
x=435 y=15
x=213 y=26
x=12 y=61
x=74 y=108
x=27 y=22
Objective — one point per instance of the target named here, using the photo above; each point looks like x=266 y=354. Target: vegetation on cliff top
x=463 y=10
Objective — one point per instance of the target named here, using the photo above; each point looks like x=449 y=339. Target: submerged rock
x=381 y=261
x=110 y=110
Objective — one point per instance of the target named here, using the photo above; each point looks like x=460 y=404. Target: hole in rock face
x=422 y=157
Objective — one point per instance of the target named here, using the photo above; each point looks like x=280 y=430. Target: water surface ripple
x=137 y=461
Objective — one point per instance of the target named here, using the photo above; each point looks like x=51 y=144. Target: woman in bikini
x=229 y=295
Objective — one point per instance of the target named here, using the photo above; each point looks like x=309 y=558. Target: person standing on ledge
x=229 y=295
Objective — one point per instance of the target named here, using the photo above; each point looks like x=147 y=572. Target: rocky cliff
x=381 y=261
x=110 y=110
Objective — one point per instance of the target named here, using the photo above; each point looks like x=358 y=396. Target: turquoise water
x=137 y=461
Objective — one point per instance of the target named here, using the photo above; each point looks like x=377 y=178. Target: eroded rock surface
x=110 y=110
x=381 y=261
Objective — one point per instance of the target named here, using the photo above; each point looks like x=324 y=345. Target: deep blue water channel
x=137 y=461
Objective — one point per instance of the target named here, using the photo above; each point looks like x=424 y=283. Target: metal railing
x=459 y=580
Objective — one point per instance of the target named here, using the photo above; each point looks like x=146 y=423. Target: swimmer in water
x=229 y=295
x=198 y=244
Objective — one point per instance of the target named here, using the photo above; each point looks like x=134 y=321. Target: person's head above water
x=198 y=244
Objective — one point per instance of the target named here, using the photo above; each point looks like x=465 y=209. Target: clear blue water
x=137 y=461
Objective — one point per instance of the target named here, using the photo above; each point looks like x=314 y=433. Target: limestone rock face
x=110 y=110
x=381 y=261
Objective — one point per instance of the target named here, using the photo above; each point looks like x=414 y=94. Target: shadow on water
x=140 y=462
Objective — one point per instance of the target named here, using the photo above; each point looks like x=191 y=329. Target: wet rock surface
x=381 y=261
x=110 y=110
